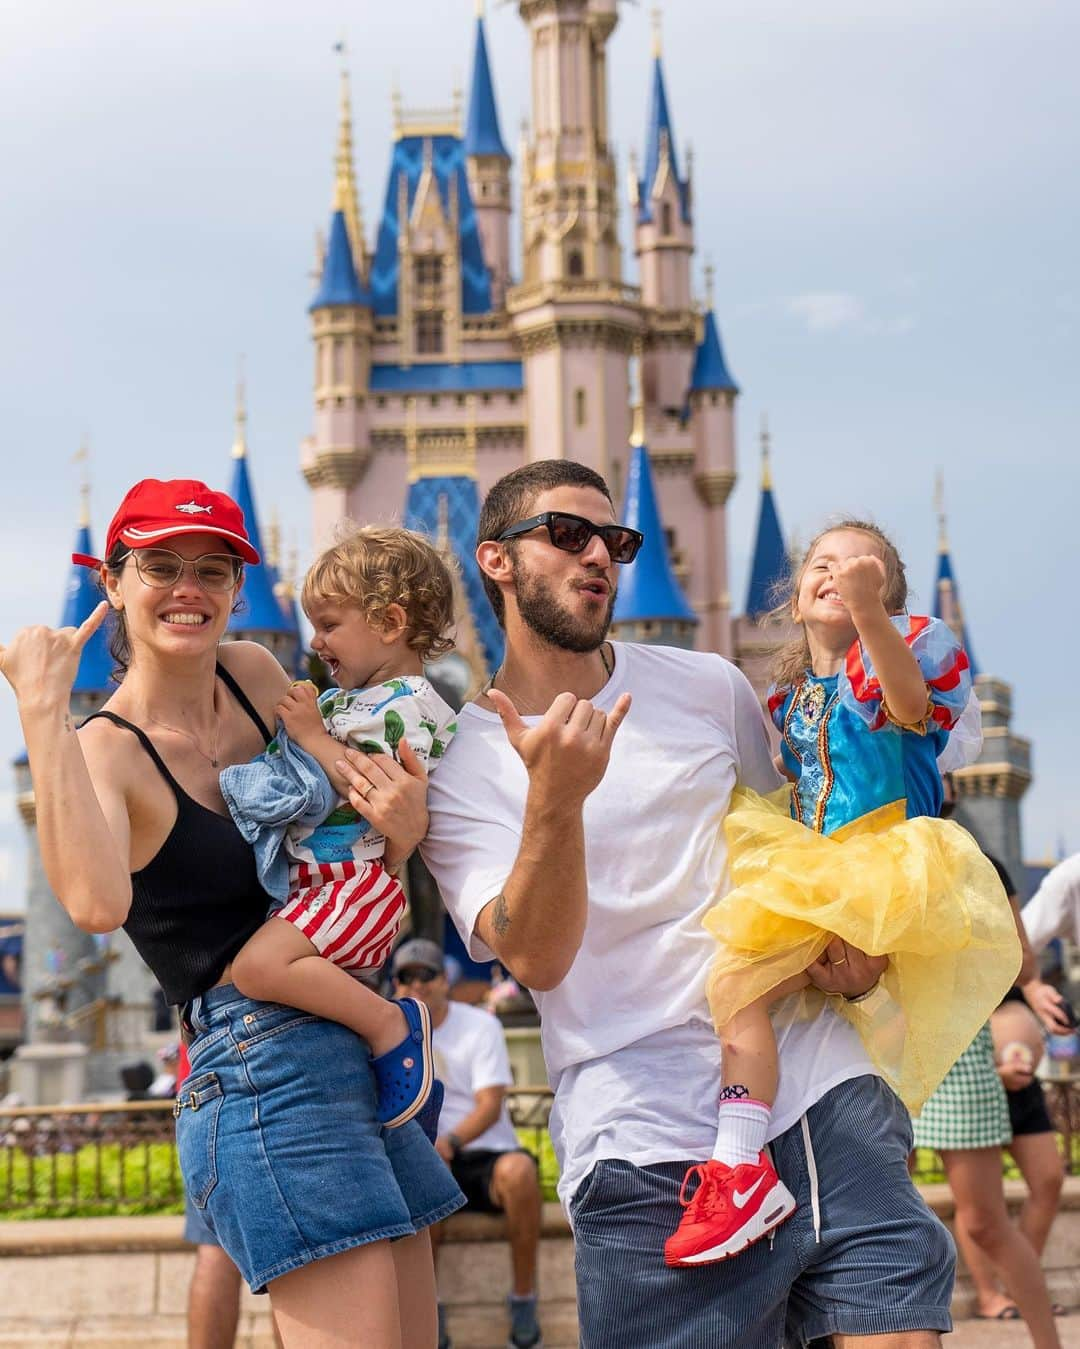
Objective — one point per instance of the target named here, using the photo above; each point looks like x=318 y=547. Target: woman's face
x=181 y=618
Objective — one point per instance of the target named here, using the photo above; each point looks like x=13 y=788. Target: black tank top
x=199 y=899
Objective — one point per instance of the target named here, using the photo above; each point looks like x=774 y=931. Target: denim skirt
x=279 y=1146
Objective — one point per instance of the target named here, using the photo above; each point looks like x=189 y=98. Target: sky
x=889 y=195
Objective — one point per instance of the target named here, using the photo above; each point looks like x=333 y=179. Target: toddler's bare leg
x=279 y=964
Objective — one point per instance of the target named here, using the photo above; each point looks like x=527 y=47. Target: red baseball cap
x=154 y=512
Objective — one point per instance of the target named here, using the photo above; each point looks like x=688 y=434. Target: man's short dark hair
x=512 y=497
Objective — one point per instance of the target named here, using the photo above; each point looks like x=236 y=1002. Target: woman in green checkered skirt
x=967 y=1121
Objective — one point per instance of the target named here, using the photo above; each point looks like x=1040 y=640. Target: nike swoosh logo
x=743 y=1197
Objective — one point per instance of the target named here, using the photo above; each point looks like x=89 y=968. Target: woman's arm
x=83 y=828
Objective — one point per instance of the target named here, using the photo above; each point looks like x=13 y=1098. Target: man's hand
x=845 y=969
x=1048 y=1005
x=860 y=582
x=568 y=750
x=300 y=715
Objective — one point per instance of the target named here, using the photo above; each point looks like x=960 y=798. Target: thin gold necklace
x=607 y=664
x=212 y=757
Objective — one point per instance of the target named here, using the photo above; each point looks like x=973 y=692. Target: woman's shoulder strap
x=143 y=740
x=245 y=702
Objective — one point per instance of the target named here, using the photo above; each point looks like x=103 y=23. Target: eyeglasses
x=161 y=568
x=419 y=976
x=573 y=533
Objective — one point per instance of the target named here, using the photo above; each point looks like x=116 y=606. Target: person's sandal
x=403 y=1075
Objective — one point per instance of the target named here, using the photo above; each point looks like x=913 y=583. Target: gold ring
x=841 y=961
x=367 y=792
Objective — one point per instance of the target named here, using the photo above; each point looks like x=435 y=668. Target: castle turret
x=259 y=615
x=488 y=168
x=711 y=399
x=989 y=791
x=758 y=631
x=650 y=605
x=573 y=319
x=335 y=456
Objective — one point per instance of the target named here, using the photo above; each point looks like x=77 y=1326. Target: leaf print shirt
x=374 y=720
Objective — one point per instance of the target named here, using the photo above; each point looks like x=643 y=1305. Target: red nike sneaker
x=731 y=1207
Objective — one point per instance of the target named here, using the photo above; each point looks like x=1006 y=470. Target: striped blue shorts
x=861 y=1255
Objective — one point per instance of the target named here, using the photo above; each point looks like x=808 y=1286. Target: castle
x=436 y=371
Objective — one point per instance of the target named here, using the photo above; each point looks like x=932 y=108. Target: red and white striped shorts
x=350 y=912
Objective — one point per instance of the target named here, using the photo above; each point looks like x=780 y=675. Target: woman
x=276 y=1125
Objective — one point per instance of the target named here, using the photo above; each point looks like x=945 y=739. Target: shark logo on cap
x=193 y=508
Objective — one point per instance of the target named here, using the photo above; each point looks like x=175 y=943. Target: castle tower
x=335 y=457
x=757 y=632
x=712 y=411
x=988 y=791
x=573 y=319
x=650 y=605
x=488 y=168
x=259 y=616
x=664 y=244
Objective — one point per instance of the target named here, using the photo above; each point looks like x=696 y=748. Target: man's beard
x=542 y=613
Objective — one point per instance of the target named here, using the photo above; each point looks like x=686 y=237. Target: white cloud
x=830 y=311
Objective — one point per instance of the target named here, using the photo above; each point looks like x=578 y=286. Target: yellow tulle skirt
x=919 y=891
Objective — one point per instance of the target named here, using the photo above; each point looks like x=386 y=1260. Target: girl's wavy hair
x=793 y=658
x=374 y=566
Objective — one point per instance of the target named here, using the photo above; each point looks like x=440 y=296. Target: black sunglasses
x=421 y=975
x=572 y=534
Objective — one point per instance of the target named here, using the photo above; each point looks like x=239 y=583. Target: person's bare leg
x=213 y=1300
x=1043 y=1170
x=907 y=1339
x=748 y=1045
x=340 y=1301
x=989 y=1299
x=974 y=1176
x=514 y=1187
x=279 y=964
x=415 y=1269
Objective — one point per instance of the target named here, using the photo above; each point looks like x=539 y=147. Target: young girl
x=864 y=700
x=381 y=602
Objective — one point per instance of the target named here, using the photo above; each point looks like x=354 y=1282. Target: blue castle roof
x=448 y=163
x=259 y=610
x=340 y=283
x=648 y=589
x=710 y=368
x=82 y=597
x=482 y=124
x=462 y=514
x=656 y=128
x=770 y=566
x=946 y=579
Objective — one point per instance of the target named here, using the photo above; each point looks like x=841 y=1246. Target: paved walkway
x=1008 y=1334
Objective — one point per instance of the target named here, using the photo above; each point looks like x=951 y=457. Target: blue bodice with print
x=848 y=756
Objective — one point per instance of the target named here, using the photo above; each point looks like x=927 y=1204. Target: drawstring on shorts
x=811 y=1167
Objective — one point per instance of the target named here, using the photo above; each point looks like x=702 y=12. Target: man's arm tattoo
x=500 y=916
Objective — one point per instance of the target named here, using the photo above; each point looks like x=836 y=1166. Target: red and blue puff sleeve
x=942 y=661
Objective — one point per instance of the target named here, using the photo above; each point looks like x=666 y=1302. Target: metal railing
x=120 y=1157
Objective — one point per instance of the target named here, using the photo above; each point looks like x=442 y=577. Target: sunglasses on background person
x=573 y=533
x=419 y=976
x=161 y=568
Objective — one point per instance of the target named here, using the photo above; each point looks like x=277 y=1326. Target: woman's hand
x=1015 y=1075
x=391 y=796
x=845 y=969
x=1048 y=1005
x=41 y=663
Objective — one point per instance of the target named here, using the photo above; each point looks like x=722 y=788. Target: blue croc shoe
x=403 y=1075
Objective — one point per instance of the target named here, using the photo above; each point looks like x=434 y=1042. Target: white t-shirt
x=627 y=1037
x=470 y=1054
x=1054 y=908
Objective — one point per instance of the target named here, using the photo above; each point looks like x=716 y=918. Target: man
x=583 y=853
x=1053 y=911
x=476 y=1139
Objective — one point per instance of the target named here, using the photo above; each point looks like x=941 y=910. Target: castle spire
x=81 y=598
x=649 y=592
x=947 y=604
x=239 y=448
x=346 y=197
x=770 y=566
x=710 y=368
x=660 y=154
x=482 y=135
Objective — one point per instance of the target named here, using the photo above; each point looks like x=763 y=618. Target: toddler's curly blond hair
x=374 y=566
